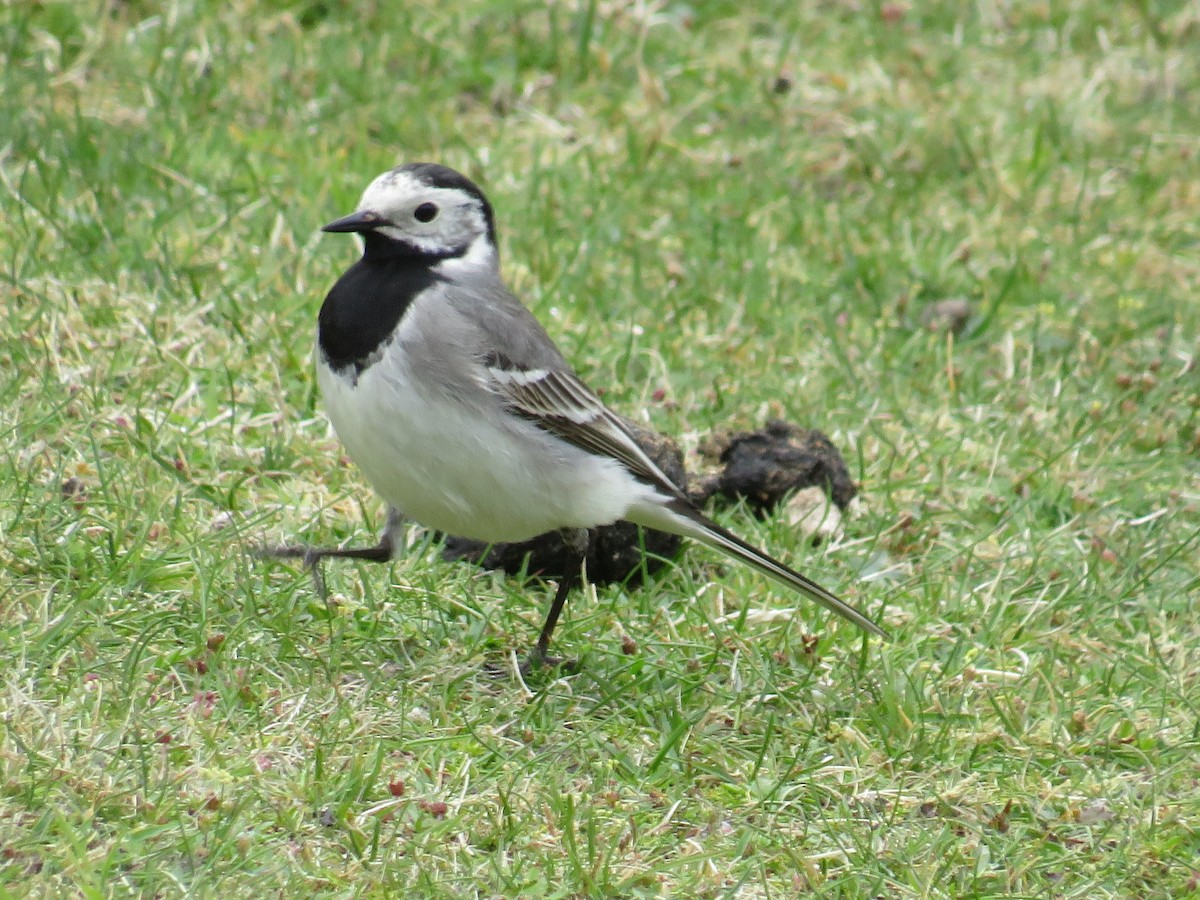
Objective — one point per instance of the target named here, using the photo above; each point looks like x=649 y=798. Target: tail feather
x=684 y=519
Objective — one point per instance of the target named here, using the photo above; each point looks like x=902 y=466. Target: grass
x=747 y=211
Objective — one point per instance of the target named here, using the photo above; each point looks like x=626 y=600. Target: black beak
x=363 y=220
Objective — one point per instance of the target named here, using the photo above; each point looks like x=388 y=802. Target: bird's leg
x=390 y=541
x=577 y=541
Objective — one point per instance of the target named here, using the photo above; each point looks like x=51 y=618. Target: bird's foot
x=535 y=661
x=381 y=552
x=312 y=557
x=391 y=541
x=532 y=664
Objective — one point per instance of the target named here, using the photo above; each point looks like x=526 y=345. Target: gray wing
x=560 y=403
x=526 y=370
x=499 y=329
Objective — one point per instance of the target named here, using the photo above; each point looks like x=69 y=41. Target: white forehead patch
x=391 y=189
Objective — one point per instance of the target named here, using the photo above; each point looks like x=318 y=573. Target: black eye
x=426 y=212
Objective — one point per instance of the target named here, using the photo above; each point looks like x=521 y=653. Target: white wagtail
x=459 y=409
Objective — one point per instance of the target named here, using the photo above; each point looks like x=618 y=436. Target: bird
x=462 y=413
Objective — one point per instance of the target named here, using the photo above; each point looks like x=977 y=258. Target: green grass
x=748 y=211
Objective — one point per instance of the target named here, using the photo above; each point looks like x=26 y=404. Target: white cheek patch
x=433 y=243
x=480 y=255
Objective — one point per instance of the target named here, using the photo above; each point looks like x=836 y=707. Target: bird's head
x=424 y=211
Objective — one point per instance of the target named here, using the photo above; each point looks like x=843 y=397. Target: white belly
x=459 y=470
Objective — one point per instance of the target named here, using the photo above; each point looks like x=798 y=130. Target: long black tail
x=680 y=517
